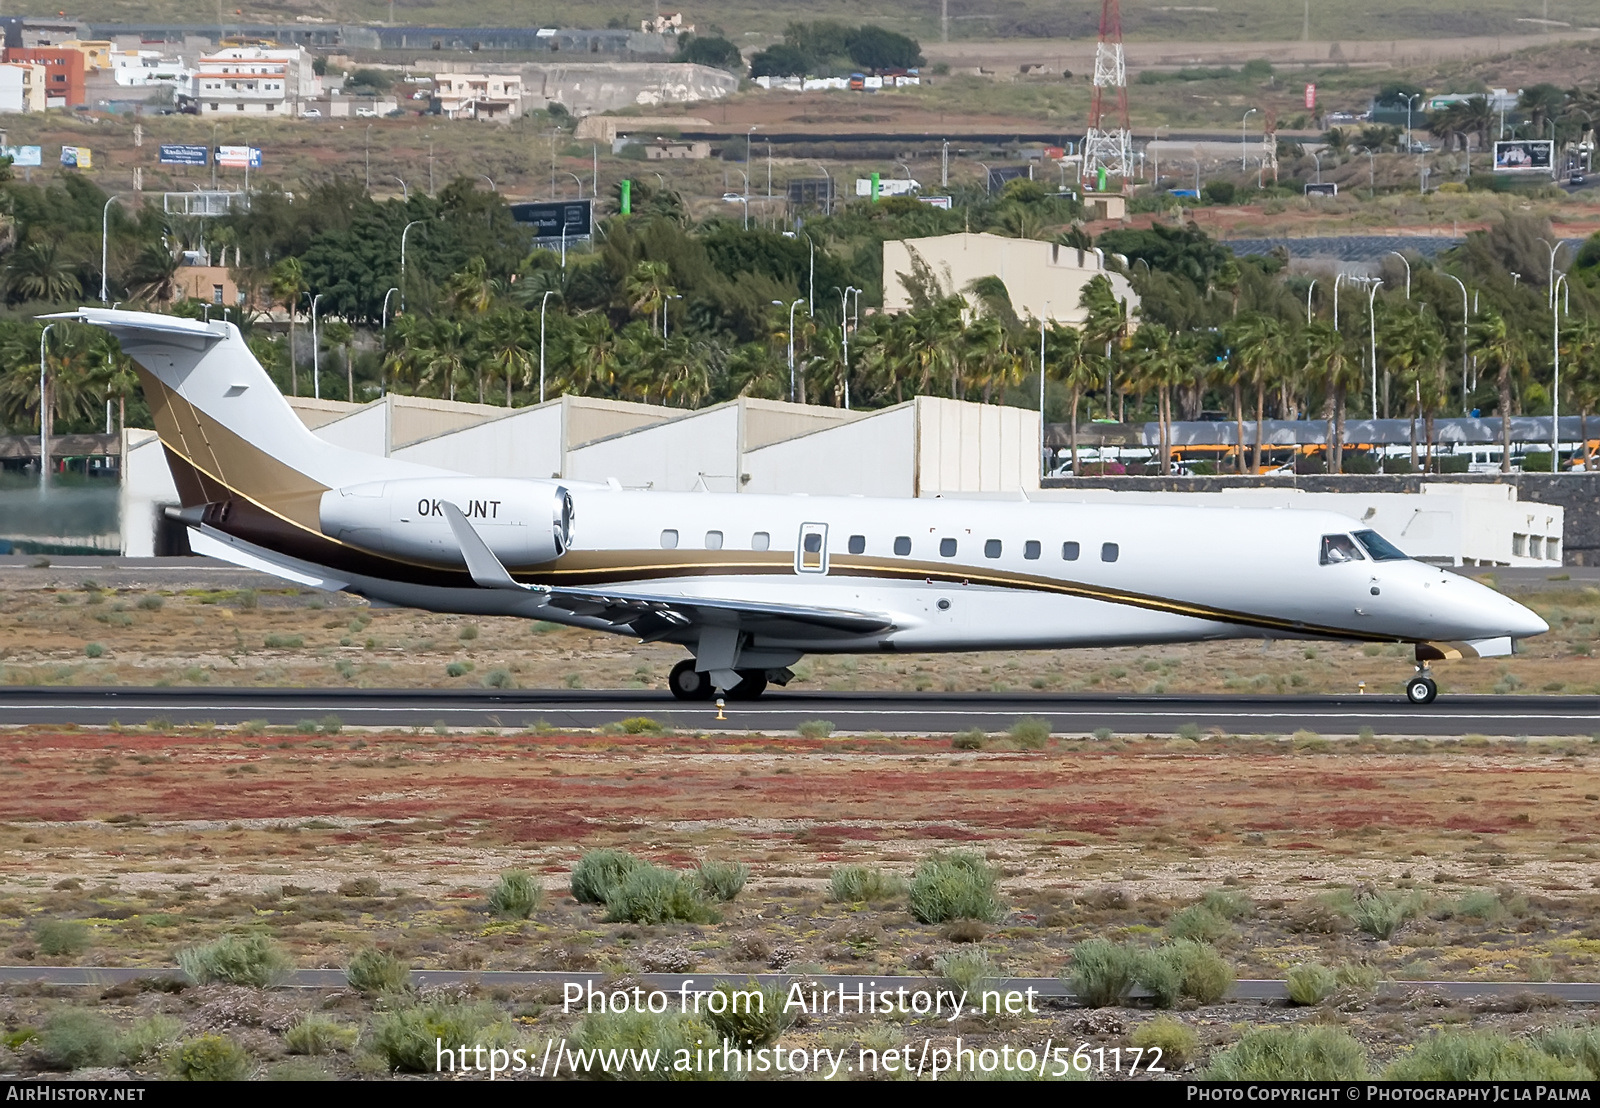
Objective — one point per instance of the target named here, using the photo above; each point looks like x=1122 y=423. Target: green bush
x=598 y=872
x=1228 y=904
x=1384 y=913
x=1102 y=972
x=721 y=880
x=1291 y=1054
x=969 y=971
x=1480 y=1056
x=1177 y=1041
x=319 y=1034
x=1311 y=983
x=1031 y=732
x=1161 y=974
x=373 y=971
x=406 y=1038
x=955 y=885
x=75 y=1039
x=1197 y=922
x=146 y=1037
x=516 y=895
x=969 y=740
x=252 y=959
x=861 y=884
x=58 y=937
x=636 y=1036
x=210 y=1058
x=1576 y=1046
x=752 y=1016
x=650 y=894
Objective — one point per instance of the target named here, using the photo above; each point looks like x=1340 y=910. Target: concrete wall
x=1045 y=280
x=1577 y=494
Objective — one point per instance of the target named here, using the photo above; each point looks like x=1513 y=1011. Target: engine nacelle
x=523 y=522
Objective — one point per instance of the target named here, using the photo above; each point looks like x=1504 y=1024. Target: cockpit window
x=1381 y=549
x=1340 y=548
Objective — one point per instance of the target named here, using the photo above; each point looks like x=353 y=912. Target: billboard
x=556 y=219
x=77 y=157
x=239 y=157
x=178 y=154
x=1523 y=156
x=24 y=155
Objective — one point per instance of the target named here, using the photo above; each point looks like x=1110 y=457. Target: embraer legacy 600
x=749 y=584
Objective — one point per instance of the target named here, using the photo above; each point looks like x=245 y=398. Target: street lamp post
x=1555 y=389
x=105 y=239
x=1243 y=139
x=316 y=352
x=44 y=417
x=403 y=234
x=542 y=302
x=792 y=307
x=1463 y=288
x=1407 y=264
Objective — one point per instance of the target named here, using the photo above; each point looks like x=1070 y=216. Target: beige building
x=495 y=96
x=1045 y=279
x=22 y=87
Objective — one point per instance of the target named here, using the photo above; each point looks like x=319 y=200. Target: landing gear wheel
x=752 y=683
x=1421 y=689
x=688 y=683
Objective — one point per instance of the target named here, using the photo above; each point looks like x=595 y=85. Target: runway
x=782 y=712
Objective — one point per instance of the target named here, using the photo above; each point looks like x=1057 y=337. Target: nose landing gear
x=1421 y=688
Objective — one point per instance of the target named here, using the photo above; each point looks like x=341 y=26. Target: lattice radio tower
x=1110 y=148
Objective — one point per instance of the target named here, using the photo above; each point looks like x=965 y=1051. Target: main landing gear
x=1421 y=688
x=688 y=683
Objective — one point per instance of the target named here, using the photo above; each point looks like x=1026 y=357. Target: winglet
x=487 y=570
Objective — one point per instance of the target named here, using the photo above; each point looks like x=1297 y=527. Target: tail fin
x=228 y=431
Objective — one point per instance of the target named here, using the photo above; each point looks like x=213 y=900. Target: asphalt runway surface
x=783 y=712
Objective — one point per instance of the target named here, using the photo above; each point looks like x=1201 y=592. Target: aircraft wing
x=654 y=616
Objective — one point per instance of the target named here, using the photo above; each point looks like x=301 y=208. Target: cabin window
x=761 y=540
x=669 y=539
x=1069 y=552
x=813 y=543
x=1030 y=550
x=858 y=544
x=1380 y=548
x=991 y=549
x=713 y=540
x=1339 y=548
x=902 y=545
x=947 y=548
x=1109 y=551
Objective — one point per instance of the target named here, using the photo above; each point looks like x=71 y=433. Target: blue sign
x=178 y=154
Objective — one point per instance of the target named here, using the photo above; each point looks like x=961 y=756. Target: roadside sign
x=180 y=154
x=556 y=219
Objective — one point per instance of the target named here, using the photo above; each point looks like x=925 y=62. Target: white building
x=496 y=96
x=1044 y=279
x=256 y=80
x=144 y=68
x=22 y=87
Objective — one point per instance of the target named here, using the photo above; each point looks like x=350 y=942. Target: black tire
x=688 y=683
x=1421 y=690
x=752 y=683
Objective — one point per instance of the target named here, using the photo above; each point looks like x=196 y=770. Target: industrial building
x=925 y=447
x=1045 y=280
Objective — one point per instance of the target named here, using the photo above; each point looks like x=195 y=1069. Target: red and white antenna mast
x=1109 y=147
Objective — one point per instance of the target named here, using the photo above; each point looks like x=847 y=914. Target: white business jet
x=749 y=584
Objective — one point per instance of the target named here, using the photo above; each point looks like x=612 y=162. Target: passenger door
x=811 y=550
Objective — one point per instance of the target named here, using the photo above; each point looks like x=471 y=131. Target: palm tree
x=36 y=272
x=288 y=284
x=1499 y=348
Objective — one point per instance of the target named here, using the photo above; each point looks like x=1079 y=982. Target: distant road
x=783 y=712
